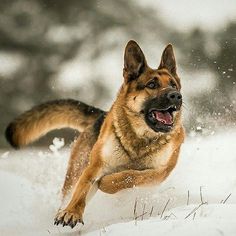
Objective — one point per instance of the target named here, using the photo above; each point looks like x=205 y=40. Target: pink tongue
x=164 y=117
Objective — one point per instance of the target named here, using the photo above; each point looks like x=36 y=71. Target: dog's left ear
x=168 y=60
x=134 y=61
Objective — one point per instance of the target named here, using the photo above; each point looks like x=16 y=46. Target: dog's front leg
x=130 y=178
x=73 y=213
x=115 y=182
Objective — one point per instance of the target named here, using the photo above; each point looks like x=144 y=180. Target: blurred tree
x=215 y=52
x=40 y=36
x=45 y=34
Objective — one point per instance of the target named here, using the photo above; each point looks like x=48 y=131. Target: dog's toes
x=68 y=218
x=69 y=221
x=59 y=218
x=74 y=221
x=82 y=222
x=73 y=224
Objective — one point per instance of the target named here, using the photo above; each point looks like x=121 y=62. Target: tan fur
x=125 y=152
x=81 y=148
x=38 y=121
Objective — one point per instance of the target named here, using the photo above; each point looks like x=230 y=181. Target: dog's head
x=152 y=94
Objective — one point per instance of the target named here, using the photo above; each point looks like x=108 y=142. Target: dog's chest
x=113 y=154
x=162 y=157
x=116 y=158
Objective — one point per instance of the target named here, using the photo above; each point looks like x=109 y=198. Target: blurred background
x=52 y=49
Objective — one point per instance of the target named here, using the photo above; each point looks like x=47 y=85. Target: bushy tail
x=43 y=118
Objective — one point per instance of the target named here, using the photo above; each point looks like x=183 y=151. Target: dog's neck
x=136 y=142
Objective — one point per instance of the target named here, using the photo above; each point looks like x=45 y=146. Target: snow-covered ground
x=199 y=197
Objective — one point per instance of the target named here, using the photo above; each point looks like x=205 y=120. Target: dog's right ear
x=134 y=61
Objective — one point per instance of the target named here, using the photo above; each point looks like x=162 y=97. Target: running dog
x=136 y=143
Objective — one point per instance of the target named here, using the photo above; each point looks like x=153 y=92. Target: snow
x=57 y=144
x=198 y=198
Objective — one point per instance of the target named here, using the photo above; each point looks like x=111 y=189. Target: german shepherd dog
x=136 y=143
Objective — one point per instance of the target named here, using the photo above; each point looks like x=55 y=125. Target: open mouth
x=161 y=120
x=164 y=116
x=159 y=112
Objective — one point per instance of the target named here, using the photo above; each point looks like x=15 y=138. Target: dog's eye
x=173 y=84
x=152 y=84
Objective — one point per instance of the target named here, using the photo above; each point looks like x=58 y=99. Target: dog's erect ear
x=134 y=61
x=168 y=60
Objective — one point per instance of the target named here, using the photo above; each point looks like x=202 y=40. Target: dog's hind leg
x=79 y=159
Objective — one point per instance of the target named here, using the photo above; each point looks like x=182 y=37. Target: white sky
x=184 y=14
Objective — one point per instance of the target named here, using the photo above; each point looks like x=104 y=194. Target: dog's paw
x=70 y=218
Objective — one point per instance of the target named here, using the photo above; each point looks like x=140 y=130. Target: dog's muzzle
x=159 y=111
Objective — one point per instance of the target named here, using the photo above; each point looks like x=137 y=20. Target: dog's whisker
x=185 y=107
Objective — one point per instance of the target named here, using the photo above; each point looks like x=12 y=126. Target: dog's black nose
x=174 y=96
